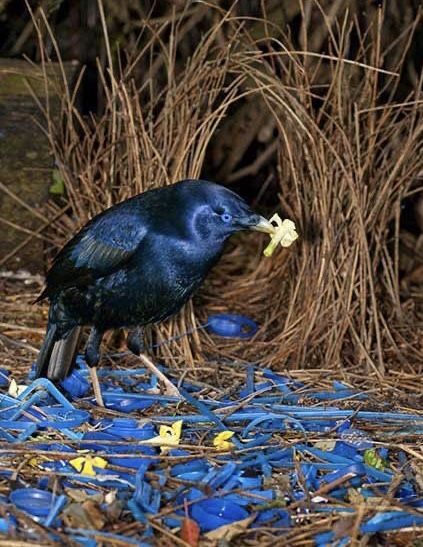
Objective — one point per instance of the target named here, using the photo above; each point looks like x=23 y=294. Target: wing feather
x=103 y=246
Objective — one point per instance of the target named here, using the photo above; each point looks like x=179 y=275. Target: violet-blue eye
x=226 y=217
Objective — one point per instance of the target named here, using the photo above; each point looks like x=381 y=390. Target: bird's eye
x=226 y=217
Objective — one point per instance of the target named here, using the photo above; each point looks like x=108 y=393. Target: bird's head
x=215 y=212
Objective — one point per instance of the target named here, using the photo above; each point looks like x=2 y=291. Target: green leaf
x=372 y=458
x=58 y=186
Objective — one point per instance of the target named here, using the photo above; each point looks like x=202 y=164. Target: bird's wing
x=102 y=247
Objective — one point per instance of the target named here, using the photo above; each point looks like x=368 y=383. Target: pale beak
x=262 y=225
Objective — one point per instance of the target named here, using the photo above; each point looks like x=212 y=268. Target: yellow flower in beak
x=285 y=234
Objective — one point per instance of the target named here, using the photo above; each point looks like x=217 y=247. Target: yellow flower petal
x=285 y=234
x=38 y=460
x=16 y=389
x=221 y=441
x=168 y=436
x=85 y=464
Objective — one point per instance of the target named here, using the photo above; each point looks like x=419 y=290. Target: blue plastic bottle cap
x=33 y=501
x=232 y=325
x=128 y=428
x=210 y=514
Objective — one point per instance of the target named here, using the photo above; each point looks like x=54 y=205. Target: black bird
x=135 y=264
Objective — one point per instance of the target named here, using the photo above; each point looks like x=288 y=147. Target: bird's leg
x=135 y=343
x=171 y=389
x=92 y=357
x=135 y=340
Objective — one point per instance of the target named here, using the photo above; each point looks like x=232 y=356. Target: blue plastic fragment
x=207 y=413
x=391 y=520
x=27 y=429
x=76 y=384
x=338 y=394
x=231 y=325
x=84 y=541
x=354 y=470
x=128 y=428
x=254 y=496
x=146 y=497
x=128 y=402
x=347 y=451
x=309 y=472
x=356 y=438
x=8 y=525
x=250 y=380
x=213 y=513
x=236 y=482
x=194 y=470
x=57 y=507
x=50 y=388
x=276 y=518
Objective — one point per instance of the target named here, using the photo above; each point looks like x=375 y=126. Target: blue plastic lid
x=33 y=501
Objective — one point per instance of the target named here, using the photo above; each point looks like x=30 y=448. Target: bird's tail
x=63 y=355
x=57 y=357
x=46 y=349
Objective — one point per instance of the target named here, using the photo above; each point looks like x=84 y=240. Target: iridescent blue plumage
x=138 y=262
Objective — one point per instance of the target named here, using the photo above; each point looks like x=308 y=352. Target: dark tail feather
x=63 y=355
x=46 y=349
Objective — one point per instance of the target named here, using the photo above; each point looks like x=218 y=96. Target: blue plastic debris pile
x=286 y=465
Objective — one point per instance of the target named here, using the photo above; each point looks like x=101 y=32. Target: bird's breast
x=155 y=285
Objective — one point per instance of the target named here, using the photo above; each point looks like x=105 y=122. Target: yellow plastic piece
x=85 y=464
x=221 y=441
x=285 y=234
x=38 y=460
x=168 y=436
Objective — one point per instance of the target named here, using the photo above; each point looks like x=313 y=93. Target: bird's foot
x=170 y=388
x=135 y=340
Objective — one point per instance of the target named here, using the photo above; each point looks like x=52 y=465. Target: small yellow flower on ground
x=85 y=464
x=168 y=436
x=221 y=441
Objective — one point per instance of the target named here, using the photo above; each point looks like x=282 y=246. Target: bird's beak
x=260 y=224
